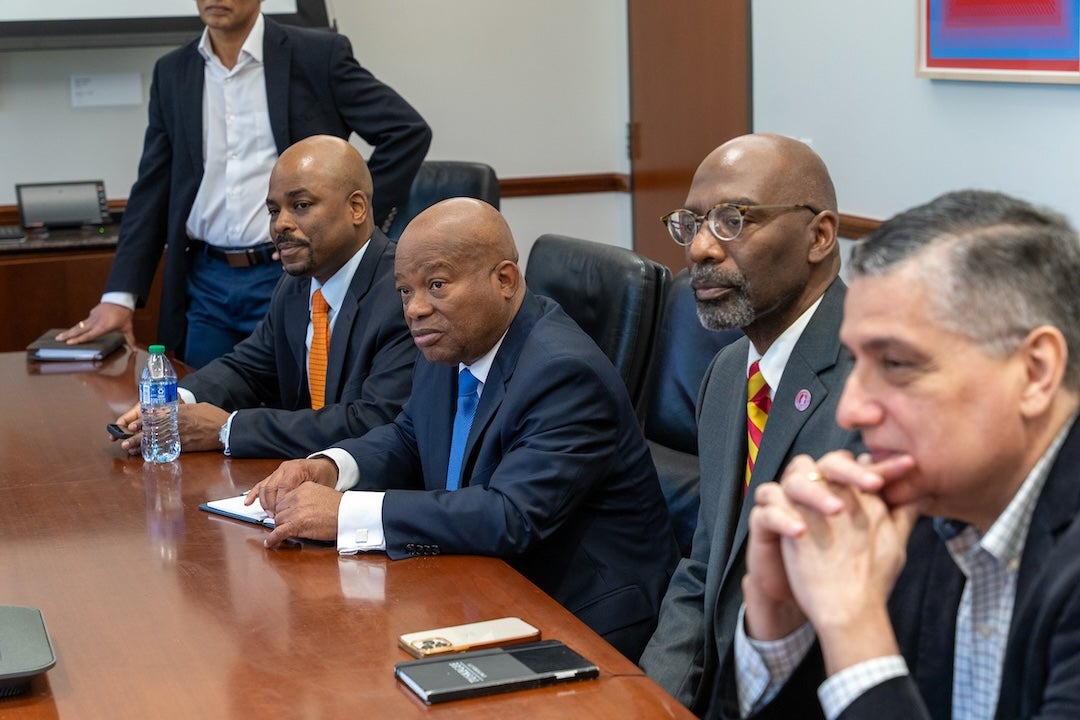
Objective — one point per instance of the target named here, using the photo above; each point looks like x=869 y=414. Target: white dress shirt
x=238 y=153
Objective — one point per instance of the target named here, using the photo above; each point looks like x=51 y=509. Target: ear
x=508 y=276
x=359 y=207
x=1044 y=353
x=824 y=227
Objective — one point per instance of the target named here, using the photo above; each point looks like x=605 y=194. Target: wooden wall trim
x=853 y=227
x=564 y=184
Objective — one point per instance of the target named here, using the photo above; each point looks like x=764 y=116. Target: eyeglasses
x=725 y=220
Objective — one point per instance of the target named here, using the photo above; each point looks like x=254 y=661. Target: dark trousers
x=224 y=305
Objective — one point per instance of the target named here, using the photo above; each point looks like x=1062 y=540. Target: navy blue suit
x=1041 y=674
x=557 y=478
x=313 y=86
x=369 y=370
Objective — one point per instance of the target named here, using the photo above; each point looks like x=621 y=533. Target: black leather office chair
x=441 y=179
x=681 y=355
x=614 y=294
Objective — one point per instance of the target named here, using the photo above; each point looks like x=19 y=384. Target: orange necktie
x=320 y=348
x=758 y=404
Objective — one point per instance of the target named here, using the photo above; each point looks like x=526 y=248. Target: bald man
x=554 y=474
x=256 y=401
x=759 y=228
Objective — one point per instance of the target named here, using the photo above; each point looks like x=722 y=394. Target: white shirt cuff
x=123 y=299
x=348 y=471
x=223 y=435
x=360 y=522
x=186 y=395
x=763 y=666
x=843 y=688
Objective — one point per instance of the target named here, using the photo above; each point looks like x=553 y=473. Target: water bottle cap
x=157 y=349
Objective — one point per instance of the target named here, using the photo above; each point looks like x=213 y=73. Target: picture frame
x=999 y=40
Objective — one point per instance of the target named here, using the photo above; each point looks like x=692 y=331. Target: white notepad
x=234 y=507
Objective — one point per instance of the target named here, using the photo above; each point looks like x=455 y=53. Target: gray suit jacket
x=697 y=617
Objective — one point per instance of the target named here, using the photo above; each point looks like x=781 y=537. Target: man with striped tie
x=759 y=228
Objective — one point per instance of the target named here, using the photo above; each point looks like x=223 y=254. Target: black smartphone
x=117 y=432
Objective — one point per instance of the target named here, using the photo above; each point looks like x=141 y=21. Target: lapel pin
x=802 y=400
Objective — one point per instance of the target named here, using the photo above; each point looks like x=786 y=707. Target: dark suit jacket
x=697 y=619
x=369 y=370
x=557 y=476
x=1041 y=674
x=313 y=86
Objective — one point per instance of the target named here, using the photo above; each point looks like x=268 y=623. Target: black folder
x=496 y=670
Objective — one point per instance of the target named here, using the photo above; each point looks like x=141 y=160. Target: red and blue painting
x=1025 y=40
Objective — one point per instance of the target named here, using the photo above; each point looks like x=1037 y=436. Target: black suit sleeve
x=385 y=120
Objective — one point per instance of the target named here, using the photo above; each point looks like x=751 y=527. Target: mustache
x=285 y=237
x=715 y=276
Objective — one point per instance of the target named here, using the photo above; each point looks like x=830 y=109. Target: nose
x=857 y=408
x=705 y=247
x=281 y=222
x=415 y=306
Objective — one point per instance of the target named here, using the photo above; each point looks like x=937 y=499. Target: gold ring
x=82 y=323
x=815 y=476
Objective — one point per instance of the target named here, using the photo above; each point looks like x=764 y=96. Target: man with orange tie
x=759 y=227
x=332 y=358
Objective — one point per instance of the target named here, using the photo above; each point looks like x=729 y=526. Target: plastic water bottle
x=160 y=405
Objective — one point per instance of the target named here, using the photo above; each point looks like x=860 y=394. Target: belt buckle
x=239 y=259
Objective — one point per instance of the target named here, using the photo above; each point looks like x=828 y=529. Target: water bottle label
x=150 y=394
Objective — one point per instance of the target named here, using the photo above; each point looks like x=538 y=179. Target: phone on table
x=471 y=636
x=117 y=432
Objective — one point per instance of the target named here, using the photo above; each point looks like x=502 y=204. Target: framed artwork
x=1000 y=40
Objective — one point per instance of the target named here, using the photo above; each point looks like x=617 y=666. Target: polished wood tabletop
x=159 y=610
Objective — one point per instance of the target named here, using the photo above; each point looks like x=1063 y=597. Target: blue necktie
x=466 y=409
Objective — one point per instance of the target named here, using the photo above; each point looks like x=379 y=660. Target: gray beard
x=733 y=312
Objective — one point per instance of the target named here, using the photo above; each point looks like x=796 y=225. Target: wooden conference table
x=159 y=610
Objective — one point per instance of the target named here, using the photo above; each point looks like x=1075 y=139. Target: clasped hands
x=301 y=497
x=824 y=547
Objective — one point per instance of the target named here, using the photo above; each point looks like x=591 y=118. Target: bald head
x=456 y=269
x=466 y=229
x=794 y=172
x=320 y=206
x=329 y=159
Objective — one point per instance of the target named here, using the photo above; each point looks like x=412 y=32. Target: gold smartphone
x=471 y=636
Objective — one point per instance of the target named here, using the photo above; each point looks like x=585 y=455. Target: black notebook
x=47 y=347
x=497 y=670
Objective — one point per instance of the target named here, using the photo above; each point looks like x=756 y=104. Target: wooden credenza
x=52 y=280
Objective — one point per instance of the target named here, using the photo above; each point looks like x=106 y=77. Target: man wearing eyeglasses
x=759 y=228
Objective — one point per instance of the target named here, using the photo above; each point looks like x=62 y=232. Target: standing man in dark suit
x=554 y=474
x=964 y=321
x=760 y=235
x=221 y=110
x=256 y=401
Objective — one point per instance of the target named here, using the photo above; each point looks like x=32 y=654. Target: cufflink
x=361 y=536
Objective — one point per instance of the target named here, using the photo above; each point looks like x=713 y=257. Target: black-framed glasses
x=725 y=220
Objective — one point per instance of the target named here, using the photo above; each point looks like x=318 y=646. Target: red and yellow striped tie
x=758 y=404
x=320 y=348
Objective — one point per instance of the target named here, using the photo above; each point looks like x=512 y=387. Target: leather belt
x=239 y=257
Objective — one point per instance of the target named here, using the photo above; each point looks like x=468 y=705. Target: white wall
x=532 y=89
x=842 y=74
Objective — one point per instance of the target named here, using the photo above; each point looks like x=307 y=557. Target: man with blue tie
x=552 y=473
